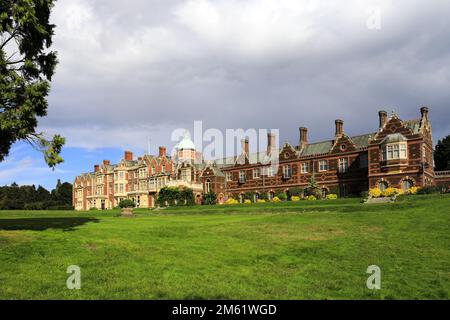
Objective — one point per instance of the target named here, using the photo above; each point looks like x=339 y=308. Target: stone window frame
x=304 y=168
x=388 y=151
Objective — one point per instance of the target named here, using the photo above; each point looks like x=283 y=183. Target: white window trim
x=388 y=151
x=304 y=168
x=325 y=166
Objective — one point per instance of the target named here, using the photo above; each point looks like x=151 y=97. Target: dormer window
x=393 y=147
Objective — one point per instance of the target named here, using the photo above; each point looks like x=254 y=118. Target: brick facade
x=398 y=154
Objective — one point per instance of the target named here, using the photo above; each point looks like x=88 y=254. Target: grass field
x=303 y=250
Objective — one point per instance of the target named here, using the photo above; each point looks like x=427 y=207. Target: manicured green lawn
x=303 y=250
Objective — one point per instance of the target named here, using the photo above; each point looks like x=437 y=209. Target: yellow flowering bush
x=412 y=190
x=231 y=201
x=311 y=198
x=295 y=198
x=247 y=201
x=276 y=199
x=331 y=196
x=375 y=192
x=390 y=192
x=261 y=201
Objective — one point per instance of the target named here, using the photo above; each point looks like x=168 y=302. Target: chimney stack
x=96 y=168
x=244 y=143
x=303 y=136
x=424 y=112
x=128 y=155
x=162 y=151
x=106 y=162
x=339 y=127
x=383 y=118
x=270 y=142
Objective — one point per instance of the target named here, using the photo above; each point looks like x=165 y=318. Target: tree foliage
x=170 y=196
x=209 y=198
x=17 y=197
x=442 y=154
x=26 y=69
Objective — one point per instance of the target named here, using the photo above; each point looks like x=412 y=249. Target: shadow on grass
x=40 y=224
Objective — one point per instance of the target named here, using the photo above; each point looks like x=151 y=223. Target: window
x=115 y=187
x=208 y=186
x=305 y=167
x=270 y=171
x=121 y=175
x=121 y=187
x=229 y=176
x=255 y=173
x=115 y=175
x=163 y=168
x=153 y=170
x=406 y=185
x=242 y=176
x=363 y=160
x=142 y=173
x=343 y=165
x=394 y=151
x=382 y=185
x=403 y=151
x=323 y=165
x=287 y=171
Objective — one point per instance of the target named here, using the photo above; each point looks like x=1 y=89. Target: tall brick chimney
x=128 y=155
x=382 y=115
x=162 y=151
x=270 y=142
x=244 y=144
x=303 y=136
x=339 y=127
x=96 y=168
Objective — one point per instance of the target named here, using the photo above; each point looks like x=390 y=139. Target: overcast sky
x=134 y=70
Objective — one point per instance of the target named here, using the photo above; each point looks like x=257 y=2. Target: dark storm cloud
x=136 y=69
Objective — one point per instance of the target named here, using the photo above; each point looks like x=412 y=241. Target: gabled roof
x=414 y=125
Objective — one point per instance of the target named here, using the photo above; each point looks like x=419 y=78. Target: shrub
x=261 y=201
x=331 y=196
x=364 y=194
x=390 y=192
x=231 y=201
x=276 y=199
x=127 y=203
x=295 y=192
x=311 y=198
x=375 y=193
x=281 y=196
x=264 y=196
x=247 y=201
x=209 y=198
x=429 y=190
x=295 y=198
x=412 y=190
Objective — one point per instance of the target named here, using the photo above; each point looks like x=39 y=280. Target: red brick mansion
x=399 y=154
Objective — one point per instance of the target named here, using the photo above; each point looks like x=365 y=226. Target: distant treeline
x=17 y=197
